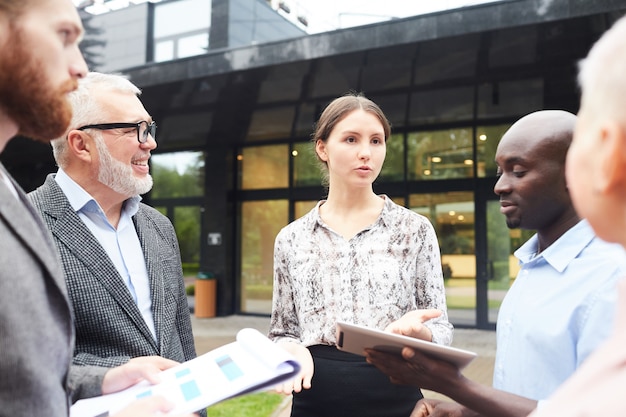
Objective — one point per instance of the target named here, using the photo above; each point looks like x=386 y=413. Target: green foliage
x=190 y=289
x=191 y=269
x=187 y=225
x=259 y=292
x=261 y=404
x=168 y=183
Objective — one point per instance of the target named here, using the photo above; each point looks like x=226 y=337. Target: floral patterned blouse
x=384 y=271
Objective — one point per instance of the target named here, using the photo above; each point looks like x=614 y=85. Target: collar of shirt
x=562 y=251
x=316 y=220
x=81 y=200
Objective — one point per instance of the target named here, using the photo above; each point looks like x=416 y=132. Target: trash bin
x=205 y=295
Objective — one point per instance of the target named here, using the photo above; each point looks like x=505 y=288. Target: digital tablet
x=355 y=338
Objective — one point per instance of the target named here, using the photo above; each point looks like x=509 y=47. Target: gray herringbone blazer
x=36 y=332
x=109 y=327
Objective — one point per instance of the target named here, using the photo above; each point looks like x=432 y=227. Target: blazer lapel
x=21 y=217
x=155 y=275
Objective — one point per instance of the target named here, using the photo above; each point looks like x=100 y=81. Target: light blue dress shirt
x=121 y=244
x=559 y=309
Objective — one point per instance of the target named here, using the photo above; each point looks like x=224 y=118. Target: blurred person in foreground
x=559 y=309
x=596 y=172
x=40 y=64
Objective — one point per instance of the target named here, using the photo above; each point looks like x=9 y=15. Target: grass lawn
x=262 y=404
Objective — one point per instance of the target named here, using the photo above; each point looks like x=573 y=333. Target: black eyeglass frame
x=150 y=128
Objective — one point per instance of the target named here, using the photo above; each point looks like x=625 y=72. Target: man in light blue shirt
x=560 y=307
x=120 y=257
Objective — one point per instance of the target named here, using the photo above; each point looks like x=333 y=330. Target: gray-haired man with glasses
x=121 y=257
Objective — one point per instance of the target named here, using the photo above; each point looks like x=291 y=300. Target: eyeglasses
x=143 y=128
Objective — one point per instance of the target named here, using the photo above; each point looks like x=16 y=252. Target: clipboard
x=354 y=338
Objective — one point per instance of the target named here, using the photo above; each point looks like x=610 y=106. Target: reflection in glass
x=283 y=82
x=440 y=154
x=444 y=105
x=306 y=167
x=163 y=51
x=264 y=167
x=192 y=45
x=260 y=223
x=187 y=223
x=271 y=123
x=510 y=98
x=502 y=265
x=487 y=139
x=336 y=75
x=452 y=215
x=303 y=207
x=459 y=60
x=393 y=168
x=308 y=114
x=178 y=33
x=177 y=174
x=387 y=68
x=394 y=107
x=515 y=46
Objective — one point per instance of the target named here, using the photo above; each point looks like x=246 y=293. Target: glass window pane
x=513 y=47
x=387 y=68
x=510 y=98
x=452 y=215
x=163 y=50
x=503 y=265
x=307 y=117
x=394 y=107
x=306 y=167
x=393 y=168
x=487 y=139
x=260 y=223
x=440 y=154
x=177 y=174
x=172 y=18
x=264 y=167
x=337 y=75
x=187 y=223
x=283 y=82
x=303 y=207
x=458 y=61
x=271 y=123
x=193 y=45
x=443 y=105
x=181 y=130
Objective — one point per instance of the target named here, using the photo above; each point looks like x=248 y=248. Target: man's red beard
x=41 y=111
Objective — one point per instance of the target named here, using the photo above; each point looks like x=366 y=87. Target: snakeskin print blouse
x=386 y=270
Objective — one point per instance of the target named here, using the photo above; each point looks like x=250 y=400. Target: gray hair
x=86 y=109
x=601 y=73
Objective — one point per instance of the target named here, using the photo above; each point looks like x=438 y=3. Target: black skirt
x=345 y=385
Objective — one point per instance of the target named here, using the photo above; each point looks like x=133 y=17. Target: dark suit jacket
x=36 y=333
x=109 y=327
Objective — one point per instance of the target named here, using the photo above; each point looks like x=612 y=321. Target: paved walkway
x=210 y=333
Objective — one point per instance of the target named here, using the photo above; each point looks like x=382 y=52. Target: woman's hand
x=303 y=379
x=411 y=324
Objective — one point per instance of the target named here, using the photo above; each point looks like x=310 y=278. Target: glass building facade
x=235 y=163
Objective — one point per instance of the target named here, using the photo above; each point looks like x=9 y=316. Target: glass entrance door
x=452 y=215
x=496 y=265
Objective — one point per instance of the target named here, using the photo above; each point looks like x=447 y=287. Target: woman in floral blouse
x=356 y=257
